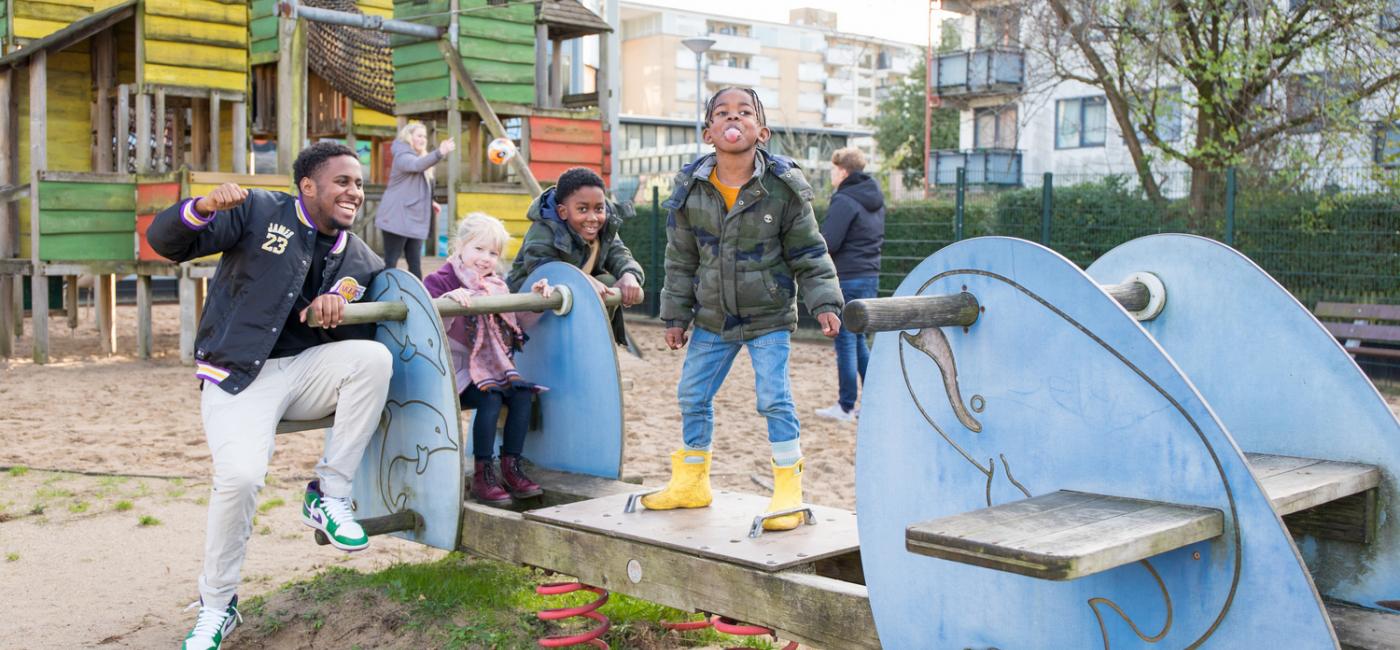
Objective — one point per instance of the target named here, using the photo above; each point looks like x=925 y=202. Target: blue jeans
x=852 y=355
x=706 y=365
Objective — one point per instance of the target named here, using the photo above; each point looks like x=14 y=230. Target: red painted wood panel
x=550 y=172
x=582 y=154
x=154 y=197
x=144 y=251
x=556 y=129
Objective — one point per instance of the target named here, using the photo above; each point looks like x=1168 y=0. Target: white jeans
x=349 y=378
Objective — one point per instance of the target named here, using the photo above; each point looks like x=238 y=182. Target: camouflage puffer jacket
x=550 y=238
x=736 y=272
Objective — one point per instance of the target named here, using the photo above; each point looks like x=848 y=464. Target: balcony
x=997 y=167
x=836 y=86
x=734 y=44
x=840 y=56
x=983 y=72
x=839 y=116
x=730 y=76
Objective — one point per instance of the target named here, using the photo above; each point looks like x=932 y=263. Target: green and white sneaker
x=333 y=516
x=212 y=626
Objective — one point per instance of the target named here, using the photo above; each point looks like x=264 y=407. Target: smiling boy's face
x=734 y=126
x=585 y=210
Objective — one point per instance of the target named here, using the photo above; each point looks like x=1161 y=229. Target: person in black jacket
x=283 y=257
x=855 y=232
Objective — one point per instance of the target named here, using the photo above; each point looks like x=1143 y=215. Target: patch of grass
x=203 y=500
x=142 y=490
x=12 y=557
x=265 y=530
x=18 y=470
x=147 y=520
x=78 y=506
x=122 y=506
x=45 y=492
x=175 y=492
x=270 y=504
x=37 y=510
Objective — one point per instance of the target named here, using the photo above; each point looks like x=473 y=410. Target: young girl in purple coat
x=483 y=348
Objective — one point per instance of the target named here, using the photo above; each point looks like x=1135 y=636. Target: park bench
x=1364 y=330
x=1066 y=535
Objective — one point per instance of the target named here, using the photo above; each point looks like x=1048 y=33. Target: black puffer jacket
x=267 y=244
x=855 y=227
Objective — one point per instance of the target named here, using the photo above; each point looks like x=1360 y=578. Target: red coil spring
x=586 y=610
x=728 y=626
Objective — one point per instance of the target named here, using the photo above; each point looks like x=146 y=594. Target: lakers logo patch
x=348 y=289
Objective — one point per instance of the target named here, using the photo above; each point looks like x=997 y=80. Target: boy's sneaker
x=212 y=626
x=835 y=412
x=333 y=516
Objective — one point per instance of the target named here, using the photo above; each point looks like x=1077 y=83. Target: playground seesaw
x=1163 y=451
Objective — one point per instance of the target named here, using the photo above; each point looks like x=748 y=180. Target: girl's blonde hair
x=479 y=225
x=406 y=136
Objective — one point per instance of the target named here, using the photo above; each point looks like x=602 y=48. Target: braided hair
x=753 y=98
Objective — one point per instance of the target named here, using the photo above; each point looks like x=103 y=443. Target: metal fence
x=1325 y=237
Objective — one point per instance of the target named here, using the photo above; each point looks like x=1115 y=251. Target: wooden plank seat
x=292 y=426
x=1064 y=535
x=1365 y=330
x=1323 y=498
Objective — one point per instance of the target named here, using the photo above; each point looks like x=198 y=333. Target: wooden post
x=556 y=74
x=473 y=148
x=350 y=139
x=38 y=161
x=9 y=225
x=143 y=132
x=187 y=315
x=291 y=91
x=160 y=164
x=105 y=297
x=143 y=316
x=104 y=57
x=240 y=137
x=123 y=129
x=177 y=137
x=454 y=173
x=216 y=124
x=199 y=133
x=542 y=70
x=70 y=300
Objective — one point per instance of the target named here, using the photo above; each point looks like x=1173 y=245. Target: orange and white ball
x=499 y=151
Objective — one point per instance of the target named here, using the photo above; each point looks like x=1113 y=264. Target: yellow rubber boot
x=689 y=486
x=787 y=494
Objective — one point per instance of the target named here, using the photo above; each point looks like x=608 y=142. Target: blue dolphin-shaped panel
x=1056 y=387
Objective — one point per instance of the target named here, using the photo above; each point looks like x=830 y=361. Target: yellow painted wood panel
x=188 y=55
x=509 y=208
x=163 y=28
x=383 y=8
x=195 y=78
x=370 y=117
x=55 y=11
x=201 y=10
x=30 y=28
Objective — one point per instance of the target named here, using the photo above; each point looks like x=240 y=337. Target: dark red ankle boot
x=486 y=485
x=513 y=475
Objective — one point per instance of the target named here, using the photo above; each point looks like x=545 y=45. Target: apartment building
x=1018 y=122
x=819 y=86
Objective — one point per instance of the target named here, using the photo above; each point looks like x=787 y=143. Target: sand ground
x=101 y=538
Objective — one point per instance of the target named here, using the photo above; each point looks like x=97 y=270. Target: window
x=1388 y=145
x=1080 y=122
x=633 y=135
x=998 y=27
x=1311 y=94
x=994 y=128
x=681 y=135
x=648 y=136
x=1168 y=113
x=1390 y=17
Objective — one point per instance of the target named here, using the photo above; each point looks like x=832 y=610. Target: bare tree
x=1247 y=74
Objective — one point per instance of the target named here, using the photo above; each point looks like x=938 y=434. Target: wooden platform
x=718 y=532
x=1295 y=484
x=1064 y=535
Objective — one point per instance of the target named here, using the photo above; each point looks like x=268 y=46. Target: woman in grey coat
x=407 y=206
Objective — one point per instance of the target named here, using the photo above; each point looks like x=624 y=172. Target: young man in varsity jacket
x=284 y=257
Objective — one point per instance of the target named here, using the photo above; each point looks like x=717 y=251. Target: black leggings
x=488 y=406
x=410 y=248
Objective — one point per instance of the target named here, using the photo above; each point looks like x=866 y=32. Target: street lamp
x=699 y=46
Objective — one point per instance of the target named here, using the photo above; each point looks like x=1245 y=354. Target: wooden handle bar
x=374 y=312
x=959 y=309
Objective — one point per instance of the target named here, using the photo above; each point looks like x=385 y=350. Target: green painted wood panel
x=90 y=246
x=479 y=49
x=497 y=46
x=511 y=73
x=498 y=31
x=67 y=222
x=420 y=71
x=62 y=195
x=415 y=91
x=418 y=53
